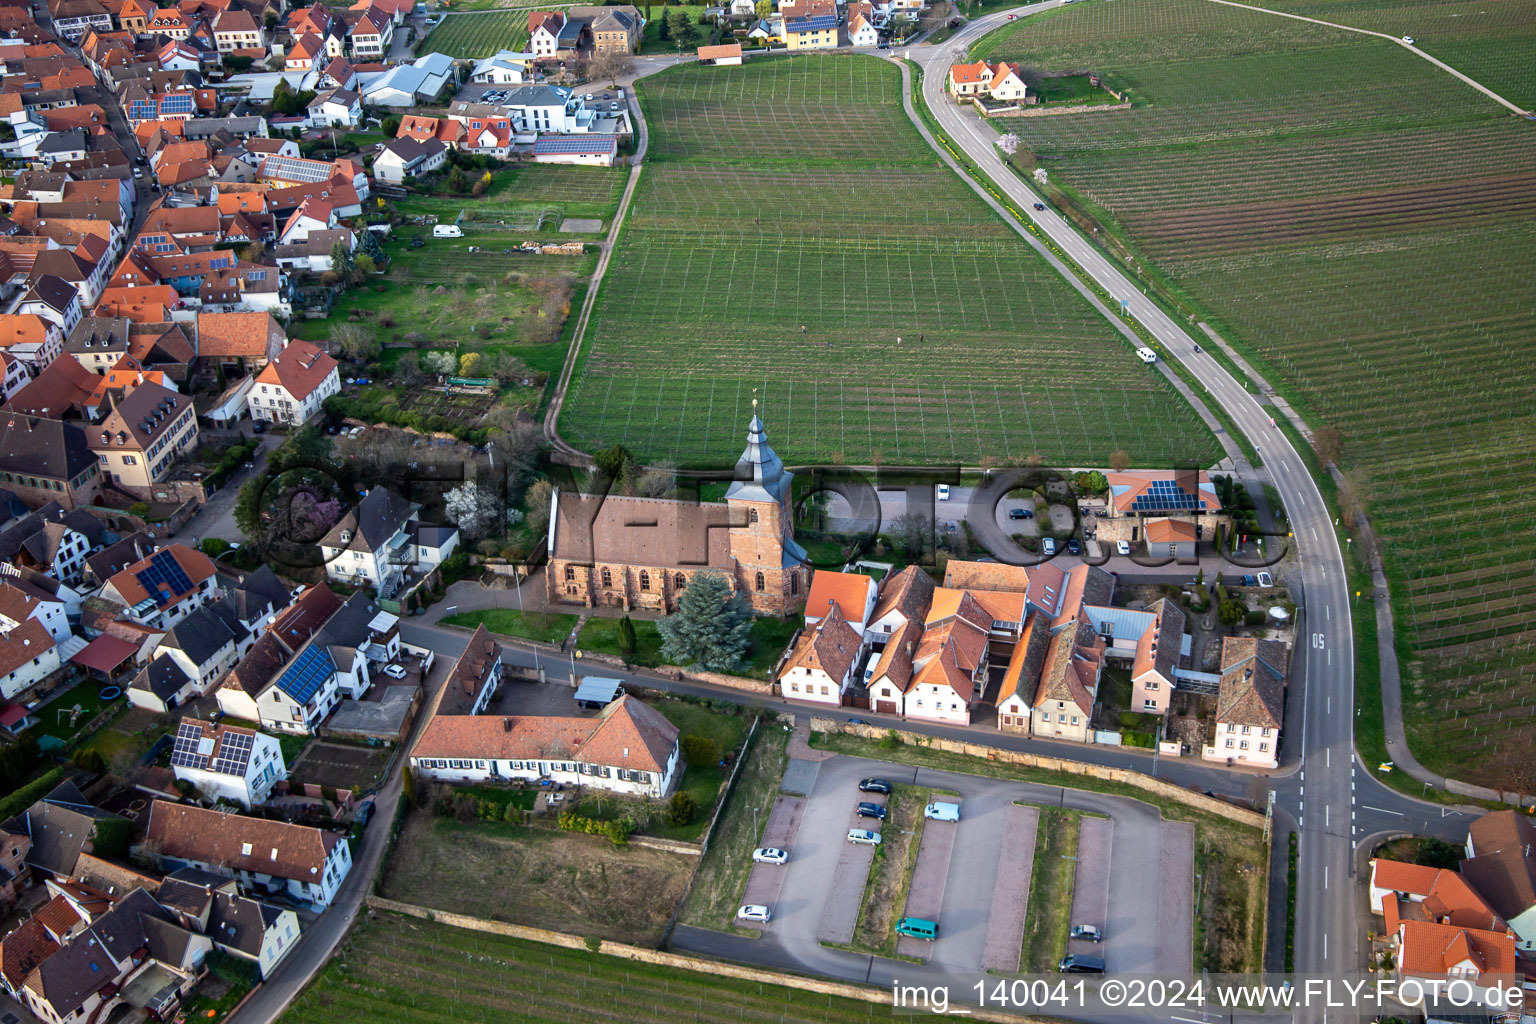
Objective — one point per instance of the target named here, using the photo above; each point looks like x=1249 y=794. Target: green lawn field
x=794 y=193
x=1371 y=254
x=407 y=970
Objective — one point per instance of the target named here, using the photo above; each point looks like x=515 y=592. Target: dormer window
x=346 y=536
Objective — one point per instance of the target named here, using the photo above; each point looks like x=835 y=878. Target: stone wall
x=1156 y=787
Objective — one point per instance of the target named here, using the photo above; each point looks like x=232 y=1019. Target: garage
x=885 y=707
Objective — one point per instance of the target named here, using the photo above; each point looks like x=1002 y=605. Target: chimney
x=506 y=725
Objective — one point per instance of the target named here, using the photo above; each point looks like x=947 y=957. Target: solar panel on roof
x=163 y=578
x=307 y=674
x=234 y=753
x=185 y=752
x=567 y=144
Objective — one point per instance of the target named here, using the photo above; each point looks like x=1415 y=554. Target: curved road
x=1328 y=929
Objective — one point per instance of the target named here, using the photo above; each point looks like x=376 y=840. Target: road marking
x=1327 y=817
x=1325 y=874
x=1327 y=758
x=1381 y=810
x=1330 y=703
x=1325 y=934
x=1314 y=533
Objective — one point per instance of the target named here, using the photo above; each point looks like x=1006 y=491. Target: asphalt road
x=1333 y=805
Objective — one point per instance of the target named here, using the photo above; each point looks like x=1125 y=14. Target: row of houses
x=928 y=653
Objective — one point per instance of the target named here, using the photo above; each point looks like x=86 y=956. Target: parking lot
x=1134 y=873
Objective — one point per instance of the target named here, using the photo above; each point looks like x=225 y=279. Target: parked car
x=1073 y=547
x=871 y=810
x=1087 y=932
x=942 y=811
x=1081 y=965
x=1250 y=581
x=1048 y=545
x=864 y=837
x=364 y=813
x=394 y=671
x=769 y=855
x=943 y=492
x=918 y=928
x=1408 y=40
x=754 y=912
x=1266 y=580
x=1123 y=547
x=1020 y=513
x=259 y=427
x=1013 y=17
x=875 y=786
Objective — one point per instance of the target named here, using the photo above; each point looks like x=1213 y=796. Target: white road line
x=1381 y=810
x=1327 y=817
x=1327 y=758
x=1325 y=945
x=1325 y=876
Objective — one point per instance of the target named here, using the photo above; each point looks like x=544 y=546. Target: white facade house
x=227 y=762
x=252 y=929
x=28 y=655
x=337 y=108
x=268 y=857
x=205 y=645
x=17 y=606
x=372 y=544
x=630 y=748
x=292 y=388
x=164 y=588
x=504 y=67
x=1501 y=864
x=1250 y=704
x=823 y=663
x=402 y=159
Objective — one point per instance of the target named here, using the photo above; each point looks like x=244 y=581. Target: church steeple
x=759 y=474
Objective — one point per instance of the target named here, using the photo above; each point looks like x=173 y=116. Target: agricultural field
x=791 y=230
x=471 y=35
x=530 y=198
x=1371 y=256
x=406 y=970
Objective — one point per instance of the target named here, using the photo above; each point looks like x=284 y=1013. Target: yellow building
x=815 y=33
x=138 y=442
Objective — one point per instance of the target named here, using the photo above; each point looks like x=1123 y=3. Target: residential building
x=904 y=597
x=142 y=436
x=629 y=748
x=1501 y=865
x=722 y=55
x=1021 y=681
x=819 y=32
x=28 y=655
x=1001 y=82
x=99 y=342
x=1068 y=693
x=821 y=667
x=373 y=544
x=1170 y=538
x=1444 y=929
x=164 y=588
x=291 y=388
x=13 y=375
x=31 y=339
x=238 y=343
x=252 y=930
x=21 y=602
x=949 y=665
x=1137 y=496
x=600 y=555
x=614 y=30
x=161 y=686
x=53 y=298
x=270 y=857
x=206 y=643
x=579 y=150
x=44 y=460
x=371 y=35
x=852 y=594
x=861 y=28
x=1250 y=707
x=336 y=108
x=60 y=827
x=401 y=159
x=52 y=541
x=236 y=29
x=227 y=762
x=474 y=678
x=504 y=67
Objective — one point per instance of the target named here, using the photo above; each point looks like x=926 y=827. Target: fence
x=1124 y=776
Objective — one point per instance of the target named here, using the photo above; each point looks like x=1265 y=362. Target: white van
x=447 y=231
x=939 y=811
x=1146 y=355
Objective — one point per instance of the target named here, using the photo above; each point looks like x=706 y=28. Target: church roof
x=760 y=473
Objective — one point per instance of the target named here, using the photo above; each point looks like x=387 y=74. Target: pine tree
x=710 y=627
x=628 y=641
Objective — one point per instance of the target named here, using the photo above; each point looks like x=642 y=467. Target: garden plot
x=883 y=315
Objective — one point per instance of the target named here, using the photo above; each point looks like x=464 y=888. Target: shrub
x=139 y=508
x=1255 y=617
x=700 y=750
x=890 y=741
x=513 y=814
x=213 y=547
x=681 y=808
x=617 y=832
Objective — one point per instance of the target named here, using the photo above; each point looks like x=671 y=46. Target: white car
x=769 y=855
x=942 y=811
x=394 y=671
x=1266 y=580
x=1122 y=547
x=754 y=912
x=1408 y=40
x=864 y=837
x=1146 y=355
x=943 y=492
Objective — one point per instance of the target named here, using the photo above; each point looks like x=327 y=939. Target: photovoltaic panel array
x=307 y=674
x=234 y=753
x=186 y=752
x=163 y=578
x=1166 y=496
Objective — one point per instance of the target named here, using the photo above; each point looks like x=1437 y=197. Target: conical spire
x=759 y=474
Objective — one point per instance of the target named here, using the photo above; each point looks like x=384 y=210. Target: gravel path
x=1090 y=891
x=929 y=874
x=765 y=881
x=1010 y=893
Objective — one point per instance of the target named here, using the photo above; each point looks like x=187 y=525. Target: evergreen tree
x=628 y=641
x=710 y=627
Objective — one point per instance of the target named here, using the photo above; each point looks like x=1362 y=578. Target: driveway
x=217 y=517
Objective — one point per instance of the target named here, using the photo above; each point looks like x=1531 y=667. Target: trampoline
x=110 y=693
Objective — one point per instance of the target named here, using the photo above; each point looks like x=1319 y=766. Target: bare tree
x=1119 y=460
x=912 y=531
x=658 y=480
x=1328 y=445
x=612 y=66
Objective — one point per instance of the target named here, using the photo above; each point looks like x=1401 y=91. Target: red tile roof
x=848 y=590
x=628 y=734
x=298 y=369
x=194 y=563
x=239 y=843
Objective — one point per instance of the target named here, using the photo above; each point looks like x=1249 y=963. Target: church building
x=640 y=553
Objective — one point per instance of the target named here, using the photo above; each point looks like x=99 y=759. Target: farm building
x=591 y=150
x=724 y=54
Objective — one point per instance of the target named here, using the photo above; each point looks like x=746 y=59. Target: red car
x=1013 y=17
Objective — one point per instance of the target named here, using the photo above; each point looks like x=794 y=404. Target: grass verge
x=1050 y=890
x=545 y=627
x=890 y=872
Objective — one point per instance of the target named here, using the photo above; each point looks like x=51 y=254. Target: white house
x=629 y=748
x=253 y=930
x=227 y=762
x=28 y=654
x=164 y=588
x=504 y=67
x=580 y=150
x=13 y=375
x=161 y=686
x=312 y=215
x=269 y=857
x=1068 y=691
x=54 y=299
x=1250 y=705
x=861 y=31
x=205 y=644
x=822 y=664
x=34 y=340
x=336 y=108
x=409 y=158
x=18 y=605
x=949 y=664
x=291 y=388
x=372 y=544
x=371 y=36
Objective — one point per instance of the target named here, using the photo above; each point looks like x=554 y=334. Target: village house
x=22 y=602
x=381 y=538
x=164 y=588
x=237 y=343
x=629 y=748
x=852 y=593
x=142 y=436
x=28 y=655
x=1501 y=865
x=822 y=666
x=205 y=644
x=44 y=460
x=474 y=678
x=291 y=388
x=409 y=158
x=1068 y=693
x=1250 y=707
x=819 y=32
x=53 y=541
x=1139 y=497
x=227 y=762
x=268 y=857
x=722 y=55
x=1001 y=82
x=600 y=556
x=1443 y=928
